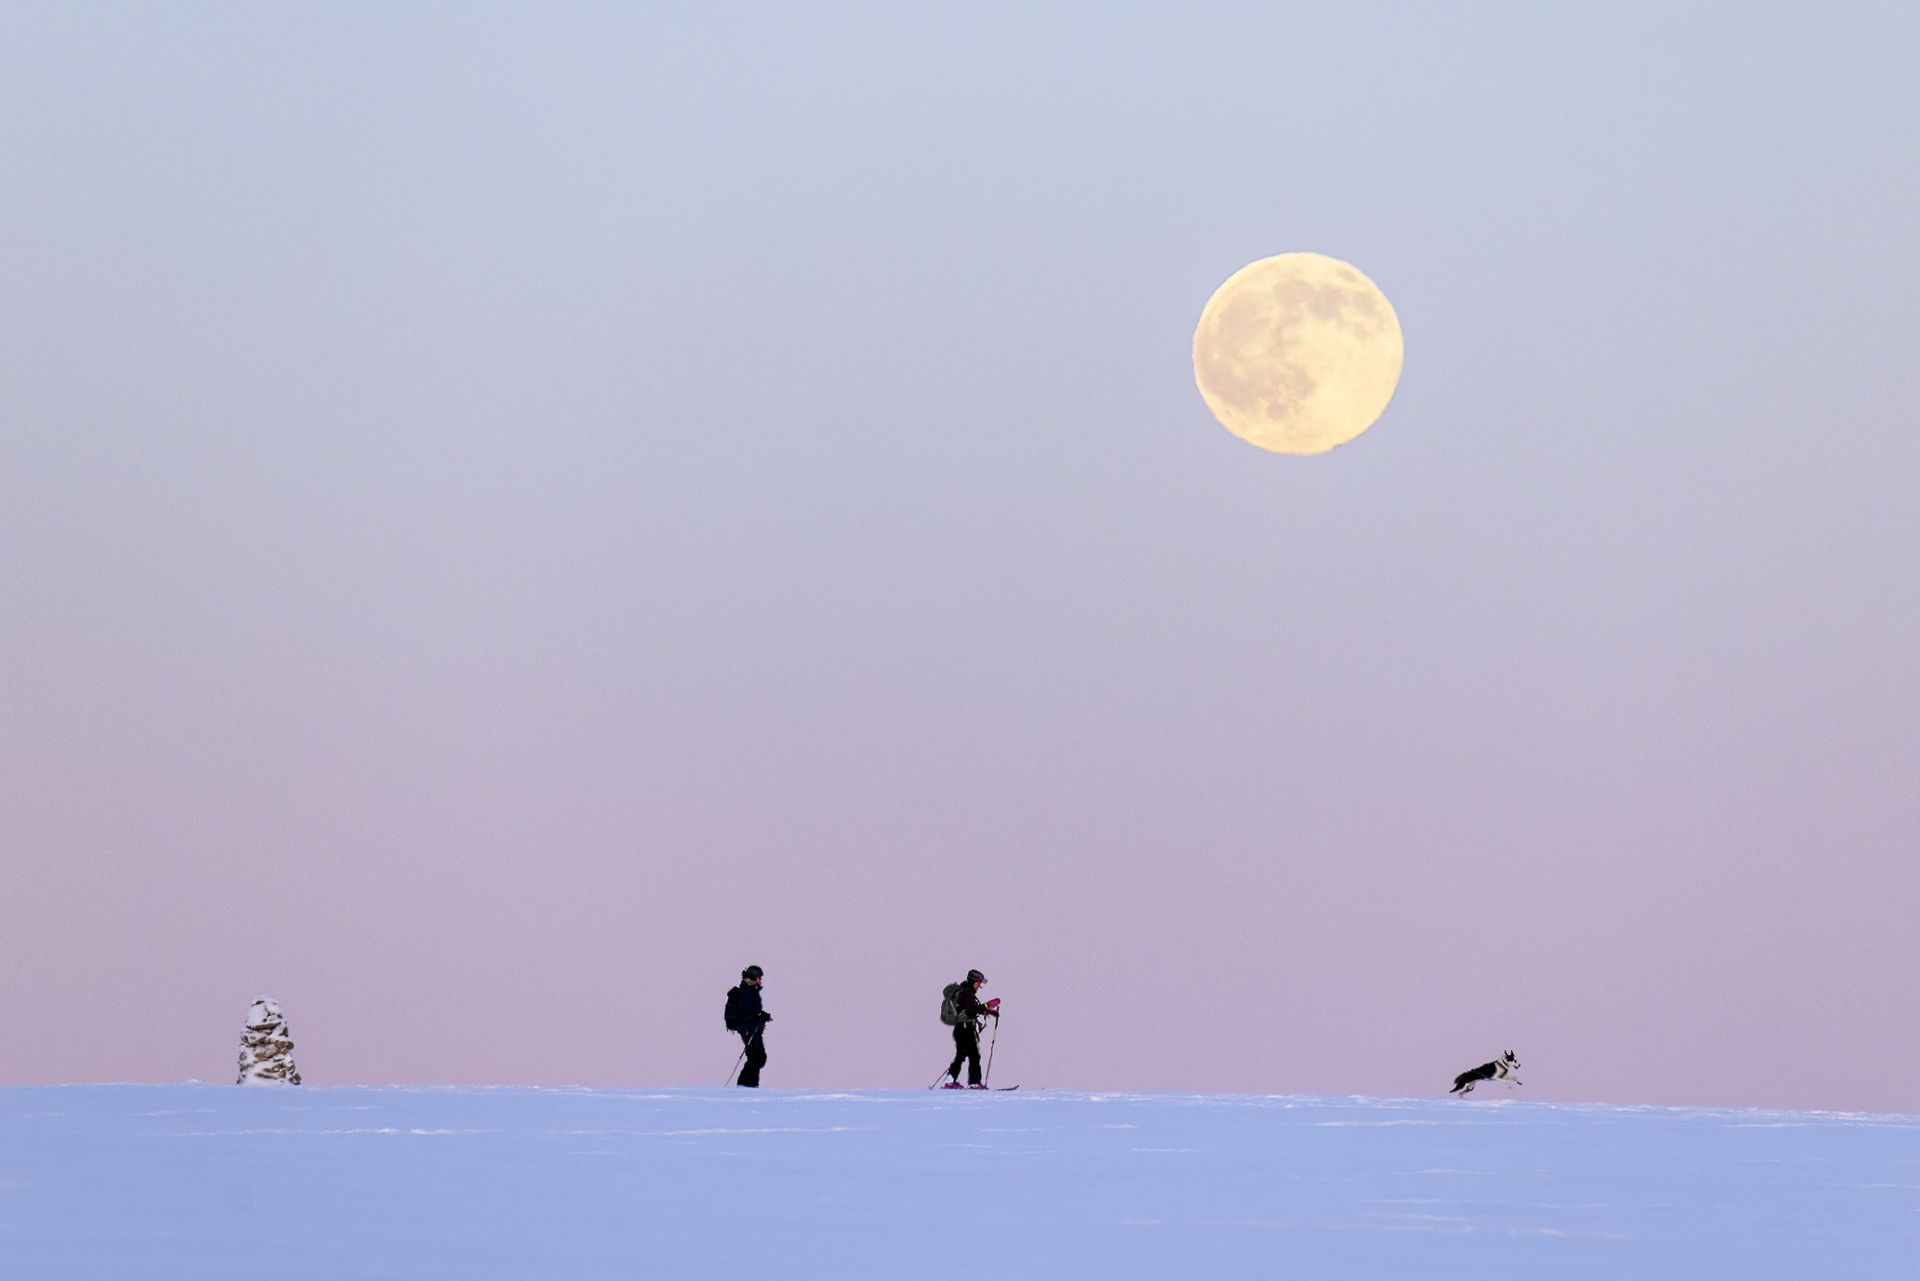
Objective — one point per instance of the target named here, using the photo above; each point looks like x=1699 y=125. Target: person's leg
x=959 y=1050
x=756 y=1059
x=973 y=1056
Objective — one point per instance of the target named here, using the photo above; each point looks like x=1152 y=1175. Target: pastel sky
x=509 y=516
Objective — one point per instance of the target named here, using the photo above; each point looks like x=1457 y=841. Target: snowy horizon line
x=799 y=1093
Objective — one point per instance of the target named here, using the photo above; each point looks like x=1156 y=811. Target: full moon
x=1297 y=353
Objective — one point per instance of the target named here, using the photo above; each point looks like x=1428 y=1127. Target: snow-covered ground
x=199 y=1181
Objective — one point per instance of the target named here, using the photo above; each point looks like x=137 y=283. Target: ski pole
x=953 y=1071
x=990 y=1044
x=745 y=1046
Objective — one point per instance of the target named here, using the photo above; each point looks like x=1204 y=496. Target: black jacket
x=743 y=1008
x=967 y=1001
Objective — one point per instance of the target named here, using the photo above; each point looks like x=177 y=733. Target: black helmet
x=975 y=976
x=752 y=972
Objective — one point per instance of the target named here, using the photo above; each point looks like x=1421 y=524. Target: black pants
x=756 y=1058
x=966 y=1049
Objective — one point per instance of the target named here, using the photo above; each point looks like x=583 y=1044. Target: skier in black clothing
x=966 y=1033
x=745 y=1016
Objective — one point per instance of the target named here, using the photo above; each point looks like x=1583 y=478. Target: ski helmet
x=752 y=972
x=975 y=976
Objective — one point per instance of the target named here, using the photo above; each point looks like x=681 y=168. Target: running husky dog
x=1500 y=1069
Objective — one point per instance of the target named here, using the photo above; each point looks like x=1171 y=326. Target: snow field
x=194 y=1181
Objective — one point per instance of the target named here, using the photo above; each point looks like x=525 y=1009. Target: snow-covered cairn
x=266 y=1047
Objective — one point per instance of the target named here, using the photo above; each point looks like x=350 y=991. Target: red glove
x=993 y=1006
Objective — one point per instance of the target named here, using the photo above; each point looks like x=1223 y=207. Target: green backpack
x=950 y=1005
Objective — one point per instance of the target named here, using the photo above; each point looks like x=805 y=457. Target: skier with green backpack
x=962 y=1009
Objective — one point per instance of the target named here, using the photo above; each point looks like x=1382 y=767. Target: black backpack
x=732 y=1026
x=950 y=1005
